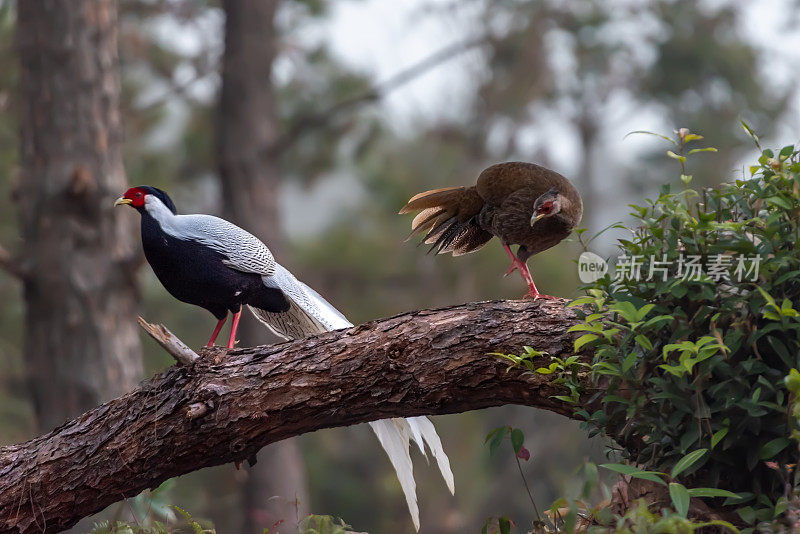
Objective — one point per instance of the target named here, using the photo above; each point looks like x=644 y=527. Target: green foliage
x=152 y=527
x=691 y=368
x=311 y=524
x=567 y=369
x=497 y=525
x=640 y=520
x=322 y=524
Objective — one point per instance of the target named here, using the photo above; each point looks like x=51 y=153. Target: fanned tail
x=310 y=314
x=449 y=216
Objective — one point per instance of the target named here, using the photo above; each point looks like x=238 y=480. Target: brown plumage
x=521 y=203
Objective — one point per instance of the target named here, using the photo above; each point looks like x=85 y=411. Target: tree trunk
x=275 y=487
x=81 y=344
x=588 y=130
x=227 y=405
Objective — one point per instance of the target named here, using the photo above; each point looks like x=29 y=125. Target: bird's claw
x=515 y=265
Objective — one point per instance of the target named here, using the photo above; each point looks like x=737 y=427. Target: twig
x=528 y=489
x=169 y=342
x=174 y=90
x=376 y=92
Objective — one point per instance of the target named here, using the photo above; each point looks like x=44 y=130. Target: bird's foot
x=515 y=264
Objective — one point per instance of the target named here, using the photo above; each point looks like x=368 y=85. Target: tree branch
x=317 y=120
x=169 y=342
x=226 y=406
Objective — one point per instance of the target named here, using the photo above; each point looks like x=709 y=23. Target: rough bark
x=250 y=179
x=418 y=363
x=81 y=342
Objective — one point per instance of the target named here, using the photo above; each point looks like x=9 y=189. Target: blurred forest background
x=310 y=122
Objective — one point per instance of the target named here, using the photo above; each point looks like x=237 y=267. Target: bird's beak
x=121 y=201
x=536 y=217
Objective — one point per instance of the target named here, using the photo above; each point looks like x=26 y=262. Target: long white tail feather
x=309 y=314
x=416 y=435
x=395 y=442
x=430 y=436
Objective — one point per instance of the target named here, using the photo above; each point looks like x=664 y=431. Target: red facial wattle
x=545 y=209
x=136 y=196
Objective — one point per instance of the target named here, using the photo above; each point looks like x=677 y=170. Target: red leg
x=216 y=331
x=514 y=259
x=516 y=263
x=234 y=327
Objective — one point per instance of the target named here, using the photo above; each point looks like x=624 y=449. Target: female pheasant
x=521 y=203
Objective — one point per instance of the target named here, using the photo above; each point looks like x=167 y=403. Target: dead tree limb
x=226 y=406
x=169 y=342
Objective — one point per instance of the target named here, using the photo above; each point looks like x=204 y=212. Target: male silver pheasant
x=214 y=264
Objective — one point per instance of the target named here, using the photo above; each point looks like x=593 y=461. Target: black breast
x=196 y=274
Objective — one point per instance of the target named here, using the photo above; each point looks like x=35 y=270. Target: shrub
x=695 y=361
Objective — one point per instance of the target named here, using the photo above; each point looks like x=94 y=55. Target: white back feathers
x=309 y=314
x=245 y=252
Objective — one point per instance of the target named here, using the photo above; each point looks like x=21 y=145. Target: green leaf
x=747 y=514
x=651 y=133
x=767 y=297
x=711 y=492
x=495 y=438
x=780 y=202
x=707 y=149
x=642 y=312
x=623 y=469
x=628 y=362
x=680 y=498
x=629 y=470
x=652 y=476
x=505 y=525
x=692 y=137
x=627 y=310
x=583 y=340
x=590 y=469
x=673 y=155
x=550 y=369
x=718 y=435
x=565 y=398
x=687 y=461
x=792 y=381
x=517 y=439
x=772 y=448
x=644 y=342
x=750 y=132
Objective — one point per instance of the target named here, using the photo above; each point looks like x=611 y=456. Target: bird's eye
x=139 y=195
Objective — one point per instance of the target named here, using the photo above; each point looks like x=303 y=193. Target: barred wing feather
x=244 y=251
